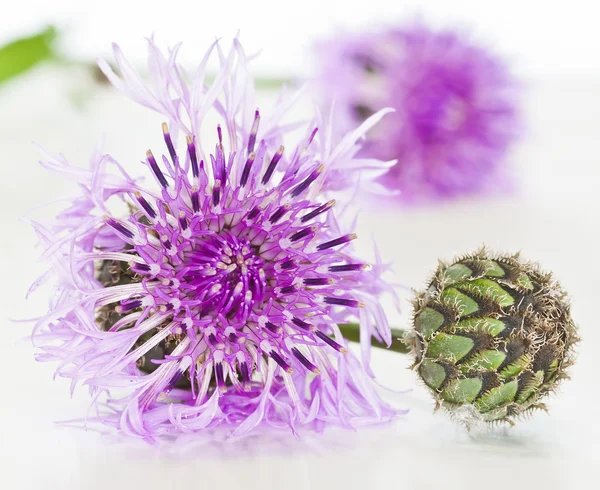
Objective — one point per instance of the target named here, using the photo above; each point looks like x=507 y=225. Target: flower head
x=455 y=107
x=492 y=336
x=214 y=296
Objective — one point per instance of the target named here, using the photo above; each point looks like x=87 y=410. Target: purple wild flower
x=456 y=110
x=214 y=296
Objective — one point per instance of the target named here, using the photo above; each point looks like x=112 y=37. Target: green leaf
x=23 y=54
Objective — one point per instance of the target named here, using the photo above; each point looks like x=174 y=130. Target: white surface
x=554 y=219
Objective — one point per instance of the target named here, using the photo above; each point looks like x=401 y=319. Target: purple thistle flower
x=456 y=113
x=213 y=297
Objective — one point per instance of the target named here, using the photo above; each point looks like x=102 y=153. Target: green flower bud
x=492 y=336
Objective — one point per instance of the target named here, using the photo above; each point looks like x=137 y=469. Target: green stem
x=261 y=83
x=271 y=83
x=351 y=331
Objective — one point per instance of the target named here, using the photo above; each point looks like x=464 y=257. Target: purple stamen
x=244 y=372
x=282 y=363
x=183 y=224
x=119 y=227
x=253 y=131
x=169 y=142
x=273 y=328
x=216 y=194
x=253 y=214
x=219 y=376
x=352 y=303
x=192 y=153
x=317 y=281
x=288 y=264
x=329 y=341
x=322 y=208
x=300 y=188
x=338 y=241
x=299 y=235
x=130 y=304
x=304 y=361
x=146 y=207
x=157 y=171
x=348 y=267
x=173 y=381
x=278 y=214
x=272 y=165
x=195 y=201
x=301 y=323
x=288 y=289
x=247 y=167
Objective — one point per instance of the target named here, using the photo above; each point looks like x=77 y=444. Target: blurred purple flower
x=456 y=110
x=214 y=297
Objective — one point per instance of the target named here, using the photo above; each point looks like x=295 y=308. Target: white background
x=554 y=218
x=541 y=36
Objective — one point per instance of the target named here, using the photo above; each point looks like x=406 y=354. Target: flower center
x=223 y=276
x=438 y=110
x=223 y=273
